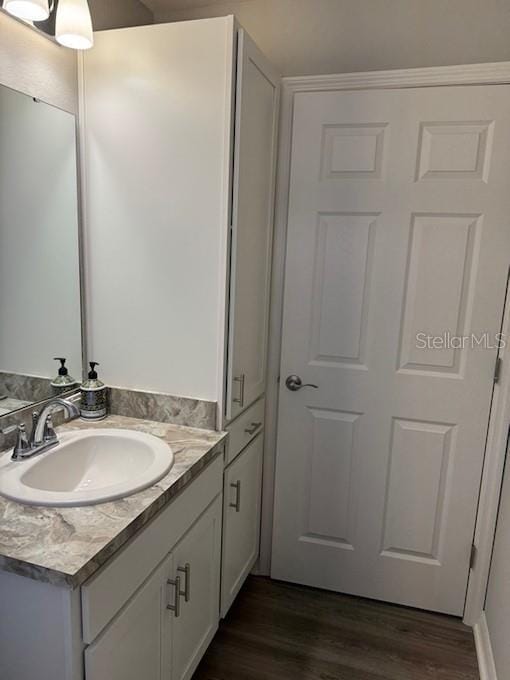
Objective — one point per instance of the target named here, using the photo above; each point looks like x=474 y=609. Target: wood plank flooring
x=279 y=631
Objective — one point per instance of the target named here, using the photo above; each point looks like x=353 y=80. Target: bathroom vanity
x=131 y=588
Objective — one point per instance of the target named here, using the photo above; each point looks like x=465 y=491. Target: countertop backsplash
x=162 y=408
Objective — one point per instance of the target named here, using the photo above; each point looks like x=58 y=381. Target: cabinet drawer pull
x=176 y=606
x=240 y=399
x=186 y=570
x=237 y=503
x=254 y=427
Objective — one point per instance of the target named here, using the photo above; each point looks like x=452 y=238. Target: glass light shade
x=28 y=10
x=74 y=25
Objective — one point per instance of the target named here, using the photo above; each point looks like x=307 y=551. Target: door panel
x=197 y=560
x=252 y=226
x=130 y=648
x=398 y=240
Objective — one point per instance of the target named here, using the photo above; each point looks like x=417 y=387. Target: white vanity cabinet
x=153 y=609
x=148 y=613
x=196 y=562
x=241 y=520
x=164 y=629
x=133 y=645
x=179 y=127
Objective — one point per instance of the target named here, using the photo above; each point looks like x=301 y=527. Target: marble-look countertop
x=10 y=404
x=65 y=546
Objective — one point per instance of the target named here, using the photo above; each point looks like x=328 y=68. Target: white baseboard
x=484 y=650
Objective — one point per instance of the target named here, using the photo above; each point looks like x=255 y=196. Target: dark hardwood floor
x=279 y=631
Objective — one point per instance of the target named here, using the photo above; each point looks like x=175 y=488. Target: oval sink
x=86 y=467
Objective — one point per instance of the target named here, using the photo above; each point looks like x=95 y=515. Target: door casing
x=476 y=74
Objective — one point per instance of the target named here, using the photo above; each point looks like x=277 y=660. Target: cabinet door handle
x=186 y=570
x=254 y=427
x=240 y=399
x=237 y=503
x=176 y=606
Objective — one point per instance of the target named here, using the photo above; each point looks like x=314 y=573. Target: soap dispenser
x=63 y=381
x=93 y=396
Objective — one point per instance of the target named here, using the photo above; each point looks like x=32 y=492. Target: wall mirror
x=40 y=300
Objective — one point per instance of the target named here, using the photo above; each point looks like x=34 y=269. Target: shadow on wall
x=119 y=13
x=309 y=37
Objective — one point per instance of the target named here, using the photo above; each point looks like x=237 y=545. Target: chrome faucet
x=43 y=436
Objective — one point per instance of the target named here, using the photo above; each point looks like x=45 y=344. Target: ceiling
x=168 y=5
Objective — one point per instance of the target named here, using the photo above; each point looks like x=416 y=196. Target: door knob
x=294 y=383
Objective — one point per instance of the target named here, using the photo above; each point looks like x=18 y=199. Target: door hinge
x=472 y=557
x=497 y=369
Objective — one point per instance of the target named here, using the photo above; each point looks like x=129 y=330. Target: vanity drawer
x=107 y=591
x=245 y=428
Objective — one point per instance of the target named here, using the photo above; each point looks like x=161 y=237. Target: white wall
x=497 y=608
x=330 y=36
x=156 y=104
x=32 y=64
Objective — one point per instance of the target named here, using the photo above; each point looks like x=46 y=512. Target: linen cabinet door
x=131 y=646
x=196 y=564
x=241 y=520
x=252 y=226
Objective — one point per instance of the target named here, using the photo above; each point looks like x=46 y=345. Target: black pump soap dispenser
x=93 y=396
x=63 y=380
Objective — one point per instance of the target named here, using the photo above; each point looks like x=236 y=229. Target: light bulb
x=73 y=27
x=28 y=10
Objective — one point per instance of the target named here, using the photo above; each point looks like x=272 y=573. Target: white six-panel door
x=399 y=225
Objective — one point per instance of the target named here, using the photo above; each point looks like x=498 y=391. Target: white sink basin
x=88 y=466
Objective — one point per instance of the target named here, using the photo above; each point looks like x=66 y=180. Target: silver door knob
x=294 y=383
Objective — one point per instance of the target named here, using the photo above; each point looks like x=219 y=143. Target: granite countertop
x=65 y=546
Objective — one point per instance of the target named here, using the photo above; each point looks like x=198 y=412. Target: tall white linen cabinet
x=179 y=126
x=178 y=143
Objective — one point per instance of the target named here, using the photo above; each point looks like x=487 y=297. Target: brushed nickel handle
x=176 y=606
x=294 y=383
x=186 y=570
x=237 y=502
x=240 y=399
x=254 y=427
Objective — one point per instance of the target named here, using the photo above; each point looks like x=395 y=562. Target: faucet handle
x=22 y=446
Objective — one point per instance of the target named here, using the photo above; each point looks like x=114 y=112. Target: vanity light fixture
x=74 y=24
x=28 y=10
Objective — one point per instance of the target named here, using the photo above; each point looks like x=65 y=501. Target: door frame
x=497 y=73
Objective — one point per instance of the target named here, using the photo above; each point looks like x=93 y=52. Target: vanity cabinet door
x=241 y=520
x=196 y=561
x=252 y=226
x=130 y=648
